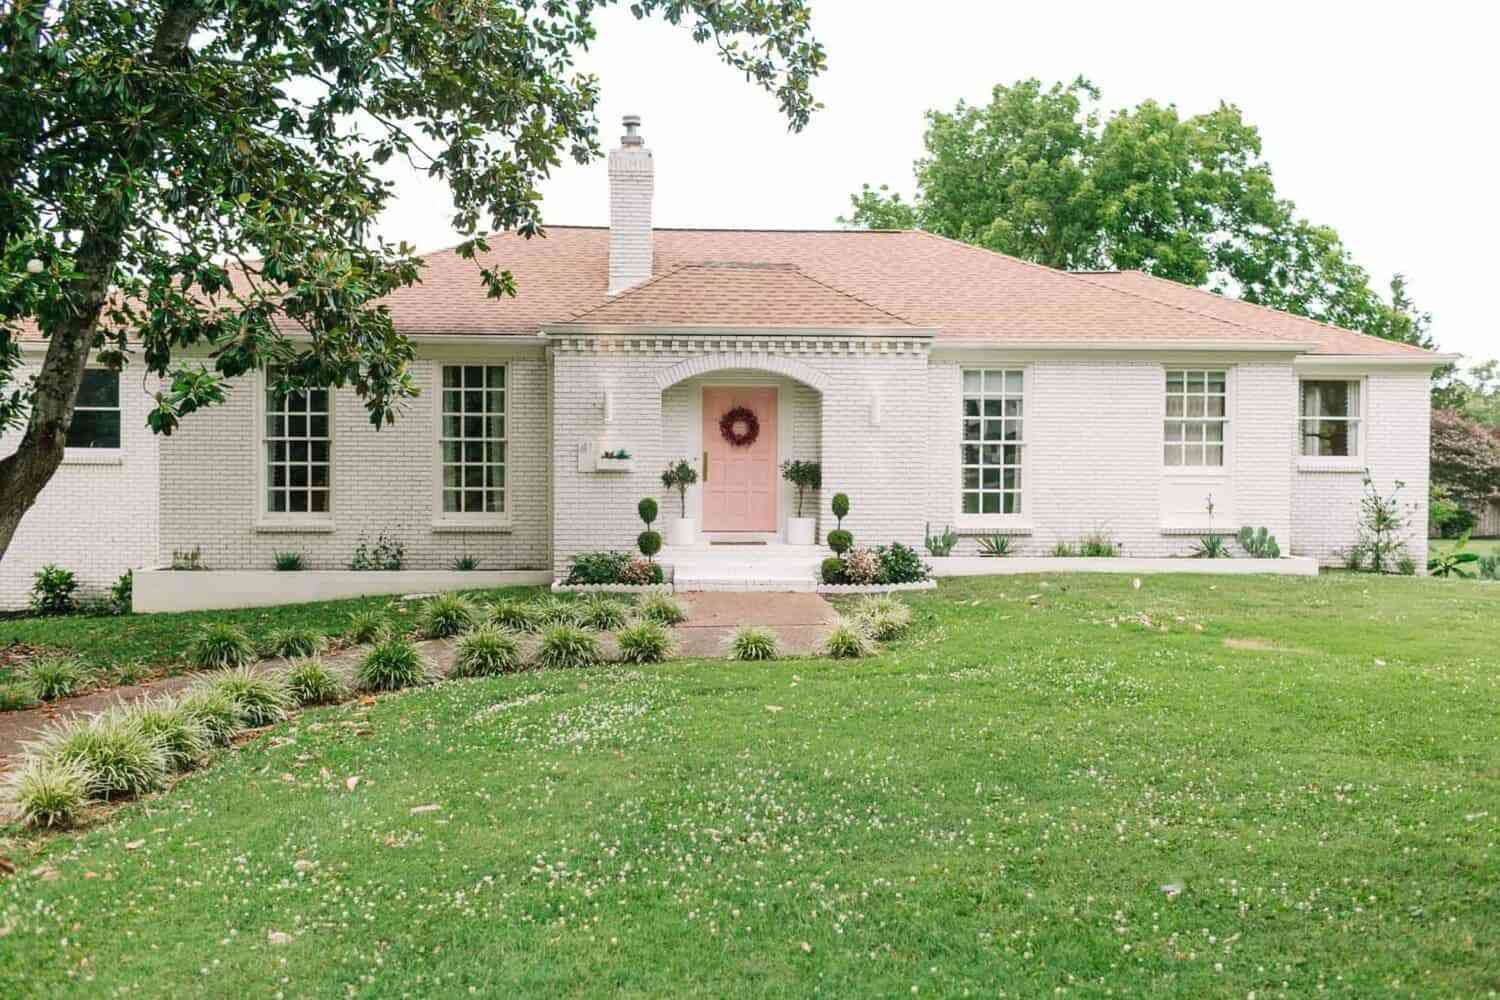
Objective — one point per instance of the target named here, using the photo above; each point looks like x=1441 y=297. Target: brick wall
x=98 y=515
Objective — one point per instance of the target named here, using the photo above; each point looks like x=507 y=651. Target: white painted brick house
x=936 y=383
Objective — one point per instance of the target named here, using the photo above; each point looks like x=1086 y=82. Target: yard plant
x=310 y=682
x=392 y=664
x=645 y=642
x=566 y=647
x=751 y=642
x=486 y=650
x=446 y=615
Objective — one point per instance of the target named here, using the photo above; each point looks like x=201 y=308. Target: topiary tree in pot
x=805 y=476
x=678 y=476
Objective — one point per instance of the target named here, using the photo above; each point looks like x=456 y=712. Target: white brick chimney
x=632 y=179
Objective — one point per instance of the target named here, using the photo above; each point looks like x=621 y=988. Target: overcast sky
x=1375 y=118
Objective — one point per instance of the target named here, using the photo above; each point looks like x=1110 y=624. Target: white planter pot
x=800 y=530
x=682 y=531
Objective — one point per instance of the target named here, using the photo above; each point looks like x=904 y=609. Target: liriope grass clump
x=848 y=641
x=48 y=793
x=366 y=627
x=260 y=699
x=182 y=736
x=751 y=642
x=312 y=683
x=884 y=617
x=446 y=615
x=602 y=614
x=662 y=609
x=516 y=616
x=567 y=646
x=291 y=643
x=486 y=650
x=53 y=677
x=16 y=695
x=391 y=665
x=219 y=646
x=554 y=610
x=118 y=757
x=645 y=642
x=214 y=710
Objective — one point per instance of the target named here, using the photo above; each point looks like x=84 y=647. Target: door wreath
x=740 y=427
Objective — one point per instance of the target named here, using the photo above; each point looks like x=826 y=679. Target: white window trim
x=1016 y=524
x=1355 y=463
x=101 y=456
x=1231 y=424
x=272 y=521
x=443 y=522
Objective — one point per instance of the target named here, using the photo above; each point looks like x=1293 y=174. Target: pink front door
x=739 y=483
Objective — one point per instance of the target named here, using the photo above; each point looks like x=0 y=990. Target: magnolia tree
x=191 y=185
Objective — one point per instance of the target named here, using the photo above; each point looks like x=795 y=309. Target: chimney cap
x=632 y=136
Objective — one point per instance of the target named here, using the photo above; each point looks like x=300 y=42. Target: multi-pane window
x=96 y=417
x=1330 y=418
x=472 y=439
x=298 y=469
x=1196 y=418
x=992 y=441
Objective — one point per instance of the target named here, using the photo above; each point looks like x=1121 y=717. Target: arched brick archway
x=709 y=363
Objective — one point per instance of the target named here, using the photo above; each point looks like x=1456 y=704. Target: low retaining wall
x=216 y=589
x=1009 y=566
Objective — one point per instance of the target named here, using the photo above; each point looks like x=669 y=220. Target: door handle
x=705 y=466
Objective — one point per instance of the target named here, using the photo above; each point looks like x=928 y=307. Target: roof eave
x=1355 y=362
x=705 y=330
x=1117 y=345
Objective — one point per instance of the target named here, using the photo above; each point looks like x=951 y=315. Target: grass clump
x=53 y=677
x=602 y=614
x=16 y=695
x=117 y=756
x=848 y=641
x=567 y=646
x=515 y=616
x=291 y=643
x=214 y=710
x=219 y=646
x=486 y=650
x=393 y=664
x=884 y=617
x=662 y=609
x=645 y=642
x=310 y=682
x=366 y=627
x=553 y=610
x=259 y=699
x=751 y=642
x=446 y=615
x=49 y=793
x=182 y=736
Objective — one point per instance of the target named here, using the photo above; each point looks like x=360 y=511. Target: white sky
x=1374 y=117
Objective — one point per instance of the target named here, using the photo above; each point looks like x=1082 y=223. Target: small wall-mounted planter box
x=602 y=464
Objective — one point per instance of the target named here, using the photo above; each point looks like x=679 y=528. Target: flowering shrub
x=640 y=573
x=862 y=567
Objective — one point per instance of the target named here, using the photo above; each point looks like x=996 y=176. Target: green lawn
x=991 y=806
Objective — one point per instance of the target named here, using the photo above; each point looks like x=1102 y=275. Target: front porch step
x=758 y=568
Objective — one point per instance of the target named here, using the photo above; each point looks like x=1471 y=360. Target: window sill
x=1196 y=531
x=489 y=527
x=93 y=456
x=271 y=526
x=1331 y=465
x=1196 y=471
x=995 y=524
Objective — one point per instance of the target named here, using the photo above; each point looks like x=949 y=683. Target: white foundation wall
x=383 y=480
x=871 y=426
x=1396 y=445
x=98 y=515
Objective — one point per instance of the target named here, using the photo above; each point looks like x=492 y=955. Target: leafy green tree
x=1042 y=174
x=197 y=179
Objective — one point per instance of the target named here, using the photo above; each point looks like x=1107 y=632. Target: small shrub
x=182 y=736
x=52 y=591
x=53 y=677
x=517 y=616
x=393 y=664
x=994 y=545
x=645 y=642
x=310 y=682
x=386 y=554
x=1451 y=562
x=751 y=642
x=485 y=651
x=900 y=564
x=640 y=573
x=649 y=543
x=292 y=642
x=49 y=793
x=862 y=567
x=16 y=695
x=287 y=562
x=1406 y=566
x=465 y=564
x=595 y=568
x=941 y=545
x=446 y=615
x=122 y=593
x=214 y=710
x=1211 y=547
x=841 y=507
x=366 y=627
x=648 y=510
x=832 y=571
x=219 y=646
x=840 y=541
x=847 y=641
x=259 y=698
x=118 y=758
x=884 y=617
x=661 y=609
x=553 y=610
x=602 y=614
x=125 y=674
x=567 y=646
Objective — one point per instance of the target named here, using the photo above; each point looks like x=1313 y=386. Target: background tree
x=1465 y=457
x=198 y=177
x=1043 y=174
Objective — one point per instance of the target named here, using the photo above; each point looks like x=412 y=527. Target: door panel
x=739 y=489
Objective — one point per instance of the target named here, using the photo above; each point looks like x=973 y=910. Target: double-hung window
x=1196 y=418
x=298 y=452
x=1328 y=418
x=96 y=416
x=993 y=440
x=471 y=440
